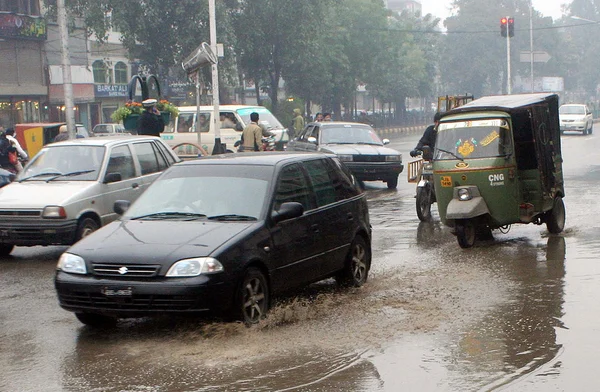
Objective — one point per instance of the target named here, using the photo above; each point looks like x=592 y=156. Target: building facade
x=412 y=6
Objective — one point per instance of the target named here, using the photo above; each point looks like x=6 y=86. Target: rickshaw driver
x=428 y=138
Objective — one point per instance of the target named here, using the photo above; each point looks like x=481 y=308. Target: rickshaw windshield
x=472 y=139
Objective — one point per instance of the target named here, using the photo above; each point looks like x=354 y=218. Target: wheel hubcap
x=254 y=299
x=359 y=265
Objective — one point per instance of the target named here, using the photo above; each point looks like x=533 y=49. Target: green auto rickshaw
x=497 y=161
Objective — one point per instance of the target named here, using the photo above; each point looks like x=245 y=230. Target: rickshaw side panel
x=32 y=137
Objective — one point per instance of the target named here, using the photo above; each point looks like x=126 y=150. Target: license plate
x=114 y=292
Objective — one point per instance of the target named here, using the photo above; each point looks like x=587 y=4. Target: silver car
x=576 y=117
x=68 y=189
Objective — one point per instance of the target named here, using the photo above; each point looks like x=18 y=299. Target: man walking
x=252 y=134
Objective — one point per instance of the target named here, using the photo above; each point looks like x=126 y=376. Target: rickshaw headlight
x=464 y=194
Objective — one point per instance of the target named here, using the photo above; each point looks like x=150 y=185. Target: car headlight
x=71 y=263
x=195 y=267
x=54 y=212
x=345 y=157
x=393 y=158
x=464 y=194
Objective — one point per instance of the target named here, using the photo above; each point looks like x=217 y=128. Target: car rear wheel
x=357 y=265
x=86 y=227
x=555 y=218
x=465 y=233
x=6 y=249
x=96 y=320
x=252 y=302
x=392 y=182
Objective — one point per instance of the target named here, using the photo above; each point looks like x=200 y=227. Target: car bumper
x=80 y=293
x=578 y=127
x=375 y=170
x=38 y=232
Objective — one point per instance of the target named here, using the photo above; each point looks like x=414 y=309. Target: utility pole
x=215 y=78
x=531 y=43
x=66 y=67
x=508 y=82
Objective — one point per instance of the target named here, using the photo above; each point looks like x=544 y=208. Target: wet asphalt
x=516 y=313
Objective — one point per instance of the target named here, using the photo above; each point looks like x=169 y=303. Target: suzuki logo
x=123 y=270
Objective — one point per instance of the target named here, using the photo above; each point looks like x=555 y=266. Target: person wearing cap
x=150 y=122
x=63 y=134
x=297 y=123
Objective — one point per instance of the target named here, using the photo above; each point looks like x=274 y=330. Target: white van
x=233 y=120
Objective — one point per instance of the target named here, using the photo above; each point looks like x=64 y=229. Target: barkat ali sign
x=110 y=90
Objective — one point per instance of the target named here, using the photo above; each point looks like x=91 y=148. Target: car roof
x=221 y=107
x=255 y=158
x=102 y=141
x=326 y=124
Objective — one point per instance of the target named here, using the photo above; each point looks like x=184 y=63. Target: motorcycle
x=268 y=144
x=425 y=196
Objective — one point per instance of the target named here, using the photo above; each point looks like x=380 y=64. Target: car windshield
x=102 y=129
x=349 y=134
x=572 y=109
x=265 y=117
x=471 y=139
x=213 y=192
x=65 y=161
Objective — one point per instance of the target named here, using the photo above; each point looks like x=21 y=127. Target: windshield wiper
x=40 y=175
x=168 y=215
x=232 y=217
x=451 y=153
x=75 y=173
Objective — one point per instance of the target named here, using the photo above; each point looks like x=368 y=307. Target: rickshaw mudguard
x=422 y=183
x=466 y=209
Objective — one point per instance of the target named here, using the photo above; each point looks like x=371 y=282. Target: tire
x=6 y=249
x=86 y=227
x=252 y=298
x=96 y=320
x=555 y=218
x=392 y=182
x=424 y=203
x=357 y=265
x=465 y=233
x=591 y=130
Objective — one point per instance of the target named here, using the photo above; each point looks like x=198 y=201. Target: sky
x=440 y=7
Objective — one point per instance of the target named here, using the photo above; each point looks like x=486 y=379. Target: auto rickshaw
x=33 y=136
x=497 y=161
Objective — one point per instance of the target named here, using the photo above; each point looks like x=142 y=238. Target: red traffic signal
x=503 y=27
x=511 y=27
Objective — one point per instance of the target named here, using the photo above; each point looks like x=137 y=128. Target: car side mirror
x=288 y=210
x=112 y=177
x=386 y=141
x=239 y=127
x=121 y=206
x=312 y=140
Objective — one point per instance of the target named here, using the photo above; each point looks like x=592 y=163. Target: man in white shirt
x=10 y=135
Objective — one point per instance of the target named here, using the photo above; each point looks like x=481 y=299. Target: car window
x=292 y=186
x=315 y=133
x=318 y=172
x=121 y=161
x=306 y=133
x=102 y=129
x=342 y=180
x=185 y=121
x=165 y=151
x=147 y=158
x=228 y=120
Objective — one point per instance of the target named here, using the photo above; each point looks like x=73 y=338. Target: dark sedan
x=221 y=234
x=355 y=144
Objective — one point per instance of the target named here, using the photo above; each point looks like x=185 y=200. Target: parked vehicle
x=497 y=161
x=68 y=189
x=576 y=117
x=234 y=119
x=355 y=144
x=109 y=130
x=33 y=136
x=222 y=234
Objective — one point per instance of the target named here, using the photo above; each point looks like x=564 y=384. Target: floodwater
x=517 y=313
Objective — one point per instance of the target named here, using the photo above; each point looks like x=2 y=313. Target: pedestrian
x=63 y=134
x=428 y=138
x=318 y=117
x=297 y=123
x=252 y=135
x=10 y=135
x=327 y=117
x=150 y=122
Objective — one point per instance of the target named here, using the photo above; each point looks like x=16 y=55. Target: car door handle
x=315 y=228
x=350 y=216
x=135 y=185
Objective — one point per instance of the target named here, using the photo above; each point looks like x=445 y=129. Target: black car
x=223 y=234
x=355 y=144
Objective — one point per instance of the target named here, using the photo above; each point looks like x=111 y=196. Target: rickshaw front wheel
x=465 y=233
x=555 y=218
x=424 y=203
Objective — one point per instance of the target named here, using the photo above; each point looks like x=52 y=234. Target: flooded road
x=518 y=313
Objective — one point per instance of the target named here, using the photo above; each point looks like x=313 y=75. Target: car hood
x=38 y=194
x=356 y=149
x=156 y=242
x=573 y=117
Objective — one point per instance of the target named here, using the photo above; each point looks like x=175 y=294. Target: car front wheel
x=252 y=302
x=392 y=182
x=356 y=267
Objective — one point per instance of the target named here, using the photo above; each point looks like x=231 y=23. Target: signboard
x=110 y=90
x=538 y=57
x=553 y=84
x=22 y=26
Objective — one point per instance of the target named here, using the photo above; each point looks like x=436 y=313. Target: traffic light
x=511 y=27
x=503 y=27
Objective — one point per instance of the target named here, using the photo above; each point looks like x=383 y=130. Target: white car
x=109 y=130
x=576 y=117
x=68 y=189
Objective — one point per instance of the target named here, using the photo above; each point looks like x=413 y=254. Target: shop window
x=121 y=73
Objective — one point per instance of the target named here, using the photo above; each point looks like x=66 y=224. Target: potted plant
x=167 y=110
x=128 y=114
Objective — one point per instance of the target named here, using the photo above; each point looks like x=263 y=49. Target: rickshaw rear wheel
x=424 y=203
x=555 y=218
x=465 y=233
